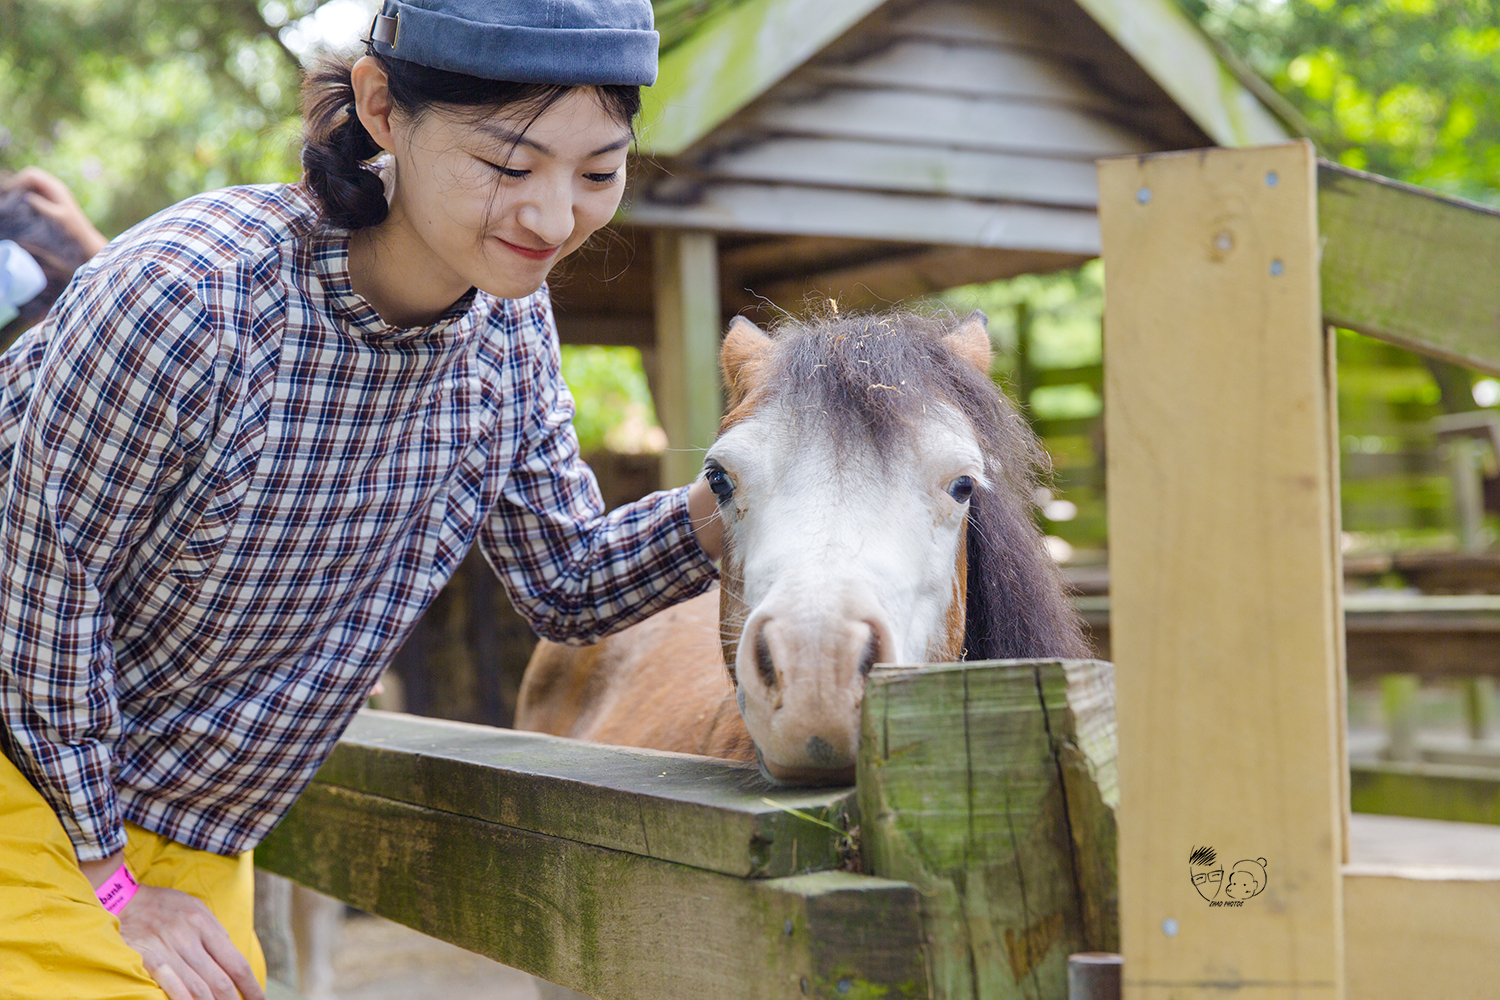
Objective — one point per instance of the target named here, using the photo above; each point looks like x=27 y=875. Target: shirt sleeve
x=575 y=572
x=123 y=383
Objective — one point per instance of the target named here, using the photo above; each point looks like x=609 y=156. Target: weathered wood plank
x=733 y=59
x=1433 y=636
x=1427 y=791
x=948 y=67
x=793 y=210
x=999 y=125
x=693 y=810
x=1422 y=909
x=1225 y=586
x=1174 y=50
x=991 y=787
x=688 y=323
x=616 y=926
x=876 y=284
x=1410 y=267
x=884 y=166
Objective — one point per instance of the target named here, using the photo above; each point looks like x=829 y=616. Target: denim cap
x=21 y=280
x=570 y=42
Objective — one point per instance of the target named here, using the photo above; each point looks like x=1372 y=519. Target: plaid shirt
x=230 y=489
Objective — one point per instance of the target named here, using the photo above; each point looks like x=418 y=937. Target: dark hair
x=337 y=147
x=58 y=254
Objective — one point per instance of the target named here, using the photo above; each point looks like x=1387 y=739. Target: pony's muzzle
x=801 y=700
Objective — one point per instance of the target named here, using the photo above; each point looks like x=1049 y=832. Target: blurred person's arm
x=51 y=198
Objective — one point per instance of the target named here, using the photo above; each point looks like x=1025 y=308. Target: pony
x=876 y=493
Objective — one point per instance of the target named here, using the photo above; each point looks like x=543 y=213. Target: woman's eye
x=506 y=171
x=608 y=178
x=720 y=483
x=961 y=489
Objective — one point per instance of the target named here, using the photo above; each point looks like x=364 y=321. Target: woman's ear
x=372 y=100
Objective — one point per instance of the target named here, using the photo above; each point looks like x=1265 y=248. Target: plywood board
x=1224 y=577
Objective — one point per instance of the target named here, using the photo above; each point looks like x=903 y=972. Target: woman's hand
x=703 y=510
x=185 y=948
x=51 y=198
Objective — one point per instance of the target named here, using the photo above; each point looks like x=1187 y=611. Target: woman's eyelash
x=516 y=174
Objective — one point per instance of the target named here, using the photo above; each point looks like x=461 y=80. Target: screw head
x=1272 y=178
x=843 y=986
x=1276 y=268
x=1169 y=927
x=787 y=927
x=1143 y=195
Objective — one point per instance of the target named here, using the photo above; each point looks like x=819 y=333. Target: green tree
x=1405 y=88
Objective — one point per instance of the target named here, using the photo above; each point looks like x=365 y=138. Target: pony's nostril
x=763 y=662
x=871 y=654
x=821 y=752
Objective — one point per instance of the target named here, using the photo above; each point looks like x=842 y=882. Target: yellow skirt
x=56 y=940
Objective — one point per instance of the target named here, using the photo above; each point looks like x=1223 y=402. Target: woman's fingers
x=235 y=967
x=185 y=948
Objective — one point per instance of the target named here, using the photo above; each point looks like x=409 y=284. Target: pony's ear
x=970 y=340
x=741 y=357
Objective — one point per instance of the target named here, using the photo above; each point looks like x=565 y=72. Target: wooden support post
x=1225 y=581
x=991 y=787
x=688 y=324
x=1398 y=704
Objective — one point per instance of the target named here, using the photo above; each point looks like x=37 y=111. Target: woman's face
x=500 y=200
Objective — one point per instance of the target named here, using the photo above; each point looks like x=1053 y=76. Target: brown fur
x=660 y=684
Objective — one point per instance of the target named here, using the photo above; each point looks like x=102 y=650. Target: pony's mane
x=870 y=376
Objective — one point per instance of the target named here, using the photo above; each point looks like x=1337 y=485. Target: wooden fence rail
x=636 y=875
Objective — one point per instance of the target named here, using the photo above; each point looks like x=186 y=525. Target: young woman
x=250 y=443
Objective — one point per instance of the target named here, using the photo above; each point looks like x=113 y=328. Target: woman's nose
x=549 y=214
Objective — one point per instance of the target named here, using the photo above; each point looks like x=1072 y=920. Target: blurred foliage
x=1405 y=88
x=137 y=104
x=614 y=408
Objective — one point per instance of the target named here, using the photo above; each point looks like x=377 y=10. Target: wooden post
x=688 y=324
x=991 y=787
x=1225 y=581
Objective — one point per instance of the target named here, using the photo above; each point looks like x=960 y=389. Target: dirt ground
x=380 y=960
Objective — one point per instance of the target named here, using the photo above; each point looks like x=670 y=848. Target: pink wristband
x=117 y=890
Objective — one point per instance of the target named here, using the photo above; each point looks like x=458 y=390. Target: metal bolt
x=843 y=986
x=787 y=927
x=1272 y=178
x=1276 y=268
x=1143 y=195
x=804 y=985
x=1169 y=927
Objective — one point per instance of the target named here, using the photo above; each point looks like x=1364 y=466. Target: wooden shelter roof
x=878 y=149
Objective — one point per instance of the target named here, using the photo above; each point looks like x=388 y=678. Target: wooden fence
x=977 y=853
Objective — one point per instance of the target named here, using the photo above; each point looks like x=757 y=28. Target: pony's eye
x=719 y=482
x=961 y=489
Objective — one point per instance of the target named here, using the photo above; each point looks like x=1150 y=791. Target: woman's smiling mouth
x=530 y=253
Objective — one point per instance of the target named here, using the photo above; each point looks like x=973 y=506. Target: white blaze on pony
x=876 y=492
